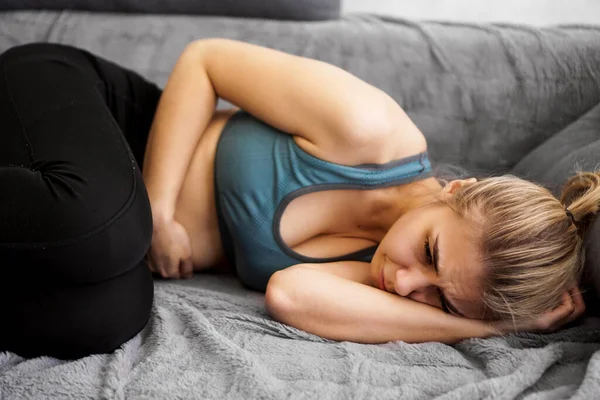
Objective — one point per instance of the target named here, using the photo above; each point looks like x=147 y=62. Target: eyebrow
x=436 y=262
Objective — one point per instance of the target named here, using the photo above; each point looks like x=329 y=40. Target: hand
x=170 y=252
x=571 y=308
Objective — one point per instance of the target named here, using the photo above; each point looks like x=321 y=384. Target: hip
x=196 y=206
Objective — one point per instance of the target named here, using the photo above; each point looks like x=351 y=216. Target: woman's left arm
x=335 y=301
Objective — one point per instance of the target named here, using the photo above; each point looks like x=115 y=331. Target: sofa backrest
x=308 y=10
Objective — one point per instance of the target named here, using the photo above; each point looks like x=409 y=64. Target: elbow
x=366 y=128
x=198 y=49
x=371 y=126
x=278 y=301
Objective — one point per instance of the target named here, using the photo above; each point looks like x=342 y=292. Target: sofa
x=491 y=99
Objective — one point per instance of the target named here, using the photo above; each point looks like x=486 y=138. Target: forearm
x=340 y=309
x=184 y=111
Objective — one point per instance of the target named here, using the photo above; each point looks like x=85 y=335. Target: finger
x=578 y=305
x=560 y=315
x=152 y=265
x=172 y=269
x=578 y=308
x=168 y=267
x=547 y=322
x=577 y=297
x=186 y=268
x=570 y=318
x=156 y=262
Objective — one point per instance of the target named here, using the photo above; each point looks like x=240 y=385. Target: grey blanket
x=485 y=97
x=209 y=338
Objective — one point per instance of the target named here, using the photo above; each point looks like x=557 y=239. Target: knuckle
x=545 y=324
x=166 y=273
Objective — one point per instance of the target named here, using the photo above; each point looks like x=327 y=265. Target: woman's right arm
x=336 y=115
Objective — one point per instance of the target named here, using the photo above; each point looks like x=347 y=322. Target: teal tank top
x=259 y=170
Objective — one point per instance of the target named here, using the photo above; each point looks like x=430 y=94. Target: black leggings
x=75 y=220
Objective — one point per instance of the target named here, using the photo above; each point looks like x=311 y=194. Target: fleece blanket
x=209 y=338
x=488 y=98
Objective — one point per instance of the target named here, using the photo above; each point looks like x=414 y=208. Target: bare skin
x=338 y=118
x=196 y=202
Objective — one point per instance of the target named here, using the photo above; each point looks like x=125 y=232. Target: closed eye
x=428 y=255
x=431 y=261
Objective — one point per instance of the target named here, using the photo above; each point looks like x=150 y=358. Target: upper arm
x=356 y=271
x=319 y=102
x=318 y=299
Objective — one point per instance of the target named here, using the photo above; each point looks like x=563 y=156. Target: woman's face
x=429 y=255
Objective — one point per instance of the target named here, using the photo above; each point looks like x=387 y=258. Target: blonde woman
x=320 y=192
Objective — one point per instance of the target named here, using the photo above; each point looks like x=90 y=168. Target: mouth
x=382 y=280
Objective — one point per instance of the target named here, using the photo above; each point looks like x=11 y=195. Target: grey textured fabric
x=575 y=148
x=209 y=338
x=276 y=9
x=485 y=97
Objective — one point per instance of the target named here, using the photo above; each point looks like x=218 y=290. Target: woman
x=320 y=193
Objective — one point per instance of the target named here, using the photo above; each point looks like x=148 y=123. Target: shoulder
x=377 y=135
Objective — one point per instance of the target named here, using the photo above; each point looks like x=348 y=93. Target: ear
x=452 y=186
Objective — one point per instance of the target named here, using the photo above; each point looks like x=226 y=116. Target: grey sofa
x=491 y=99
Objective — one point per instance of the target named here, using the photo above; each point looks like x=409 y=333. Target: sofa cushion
x=274 y=9
x=575 y=148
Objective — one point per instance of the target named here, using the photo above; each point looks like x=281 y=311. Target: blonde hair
x=530 y=241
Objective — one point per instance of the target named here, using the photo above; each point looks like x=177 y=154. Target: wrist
x=473 y=328
x=162 y=200
x=497 y=328
x=162 y=212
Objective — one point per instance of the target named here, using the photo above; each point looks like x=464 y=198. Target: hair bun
x=581 y=198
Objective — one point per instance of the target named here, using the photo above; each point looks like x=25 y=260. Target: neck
x=391 y=203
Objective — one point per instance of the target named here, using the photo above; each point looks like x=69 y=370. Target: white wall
x=533 y=12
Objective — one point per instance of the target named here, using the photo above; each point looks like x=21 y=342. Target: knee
x=73 y=322
x=83 y=241
x=112 y=249
x=120 y=310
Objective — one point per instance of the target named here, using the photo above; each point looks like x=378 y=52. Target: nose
x=417 y=284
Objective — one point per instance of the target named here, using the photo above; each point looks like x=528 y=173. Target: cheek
x=400 y=245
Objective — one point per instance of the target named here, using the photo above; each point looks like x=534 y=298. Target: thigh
x=73 y=205
x=131 y=99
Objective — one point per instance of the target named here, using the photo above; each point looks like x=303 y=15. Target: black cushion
x=575 y=148
x=274 y=9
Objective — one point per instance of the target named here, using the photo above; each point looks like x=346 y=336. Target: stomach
x=196 y=207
